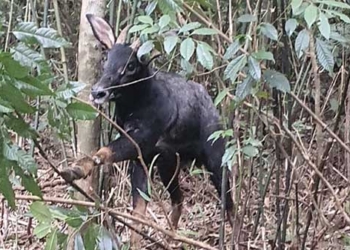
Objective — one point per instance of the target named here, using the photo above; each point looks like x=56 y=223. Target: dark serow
x=164 y=114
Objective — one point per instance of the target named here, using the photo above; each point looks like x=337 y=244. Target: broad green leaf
x=291 y=25
x=302 y=42
x=145 y=48
x=247 y=18
x=164 y=21
x=296 y=4
x=5 y=184
x=70 y=90
x=47 y=37
x=204 y=31
x=150 y=30
x=263 y=55
x=13 y=68
x=254 y=68
x=81 y=111
x=234 y=67
x=42 y=230
x=74 y=221
x=324 y=26
x=25 y=160
x=40 y=212
x=151 y=7
x=334 y=4
x=189 y=26
x=14 y=97
x=244 y=88
x=28 y=181
x=204 y=56
x=170 y=43
x=186 y=66
x=250 y=151
x=221 y=96
x=27 y=56
x=32 y=87
x=232 y=50
x=342 y=16
x=145 y=19
x=51 y=241
x=277 y=80
x=187 y=48
x=310 y=15
x=269 y=31
x=90 y=237
x=5 y=107
x=20 y=127
x=301 y=9
x=139 y=27
x=324 y=55
x=105 y=240
x=169 y=6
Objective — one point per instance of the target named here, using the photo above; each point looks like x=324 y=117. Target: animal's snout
x=98 y=94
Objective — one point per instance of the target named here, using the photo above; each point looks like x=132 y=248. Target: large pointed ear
x=102 y=30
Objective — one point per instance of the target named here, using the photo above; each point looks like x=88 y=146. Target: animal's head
x=122 y=65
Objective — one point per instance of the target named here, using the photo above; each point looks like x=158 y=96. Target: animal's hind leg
x=212 y=158
x=139 y=184
x=169 y=168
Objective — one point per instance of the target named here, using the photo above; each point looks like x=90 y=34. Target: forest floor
x=200 y=218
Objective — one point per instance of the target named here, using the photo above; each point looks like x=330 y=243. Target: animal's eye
x=131 y=66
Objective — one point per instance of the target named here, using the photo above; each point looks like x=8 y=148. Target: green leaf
x=310 y=15
x=254 y=68
x=204 y=56
x=28 y=181
x=291 y=25
x=150 y=30
x=169 y=6
x=324 y=26
x=187 y=48
x=189 y=26
x=14 y=97
x=247 y=18
x=13 y=68
x=343 y=17
x=70 y=90
x=20 y=127
x=301 y=9
x=250 y=151
x=263 y=55
x=5 y=107
x=269 y=31
x=47 y=37
x=296 y=4
x=324 y=55
x=145 y=19
x=145 y=48
x=144 y=195
x=186 y=66
x=81 y=111
x=244 y=89
x=334 y=4
x=277 y=80
x=74 y=221
x=27 y=56
x=234 y=67
x=164 y=21
x=221 y=96
x=232 y=50
x=151 y=7
x=42 y=230
x=137 y=28
x=32 y=87
x=90 y=237
x=51 y=241
x=302 y=42
x=170 y=43
x=5 y=184
x=204 y=31
x=25 y=160
x=40 y=212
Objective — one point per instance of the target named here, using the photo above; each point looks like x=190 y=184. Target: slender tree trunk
x=88 y=71
x=89 y=58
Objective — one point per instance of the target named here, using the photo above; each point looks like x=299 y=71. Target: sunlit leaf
x=324 y=26
x=291 y=25
x=204 y=56
x=42 y=230
x=232 y=50
x=269 y=31
x=204 y=31
x=145 y=48
x=244 y=88
x=189 y=26
x=324 y=55
x=145 y=19
x=334 y=4
x=139 y=27
x=40 y=212
x=170 y=43
x=187 y=48
x=234 y=67
x=302 y=42
x=221 y=96
x=51 y=241
x=254 y=68
x=296 y=4
x=164 y=21
x=310 y=15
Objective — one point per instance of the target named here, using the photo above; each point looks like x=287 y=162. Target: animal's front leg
x=139 y=185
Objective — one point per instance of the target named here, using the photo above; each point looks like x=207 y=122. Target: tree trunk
x=88 y=71
x=89 y=58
